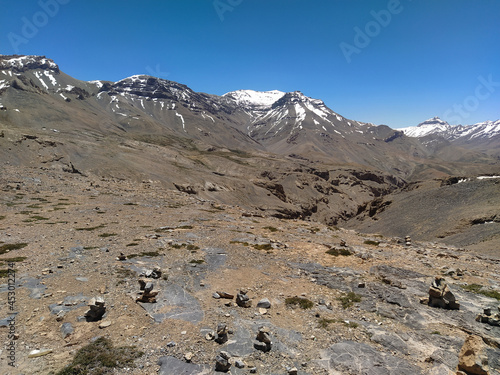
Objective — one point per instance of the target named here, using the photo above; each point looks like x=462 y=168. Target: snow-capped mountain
x=464 y=133
x=35 y=92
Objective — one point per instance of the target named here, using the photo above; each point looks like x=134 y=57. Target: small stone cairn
x=441 y=296
x=97 y=309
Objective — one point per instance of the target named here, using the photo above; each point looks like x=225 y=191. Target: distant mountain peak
x=18 y=63
x=433 y=121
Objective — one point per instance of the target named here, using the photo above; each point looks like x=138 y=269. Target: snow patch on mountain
x=255 y=98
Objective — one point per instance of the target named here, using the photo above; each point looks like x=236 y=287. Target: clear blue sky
x=420 y=59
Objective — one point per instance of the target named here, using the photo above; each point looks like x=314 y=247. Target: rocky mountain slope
x=226 y=289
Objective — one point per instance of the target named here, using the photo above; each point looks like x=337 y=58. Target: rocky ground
x=87 y=237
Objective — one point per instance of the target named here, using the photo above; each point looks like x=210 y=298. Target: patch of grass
x=39 y=199
x=192 y=247
x=4 y=273
x=371 y=242
x=37 y=217
x=132 y=244
x=185 y=227
x=91 y=228
x=336 y=252
x=477 y=288
x=25 y=212
x=2 y=217
x=324 y=322
x=271 y=229
x=347 y=300
x=266 y=246
x=125 y=273
x=90 y=247
x=315 y=230
x=15 y=259
x=351 y=324
x=145 y=254
x=196 y=261
x=11 y=246
x=435 y=333
x=100 y=358
x=303 y=303
x=177 y=246
x=33 y=206
x=242 y=243
x=106 y=235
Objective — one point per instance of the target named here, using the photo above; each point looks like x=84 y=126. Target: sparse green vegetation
x=145 y=254
x=336 y=252
x=100 y=358
x=11 y=246
x=371 y=242
x=303 y=303
x=4 y=273
x=477 y=288
x=2 y=217
x=315 y=230
x=192 y=247
x=435 y=333
x=132 y=244
x=177 y=246
x=347 y=300
x=271 y=229
x=125 y=273
x=33 y=206
x=185 y=227
x=105 y=235
x=324 y=322
x=266 y=246
x=240 y=242
x=91 y=228
x=15 y=259
x=90 y=247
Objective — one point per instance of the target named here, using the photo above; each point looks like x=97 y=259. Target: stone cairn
x=441 y=296
x=263 y=340
x=408 y=241
x=97 y=309
x=222 y=332
x=243 y=300
x=147 y=294
x=222 y=363
x=489 y=318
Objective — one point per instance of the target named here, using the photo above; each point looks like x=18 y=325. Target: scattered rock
x=66 y=330
x=97 y=309
x=472 y=357
x=105 y=324
x=264 y=303
x=39 y=353
x=225 y=295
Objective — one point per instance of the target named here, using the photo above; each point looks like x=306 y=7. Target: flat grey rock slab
x=35 y=287
x=173 y=302
x=171 y=365
x=363 y=359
